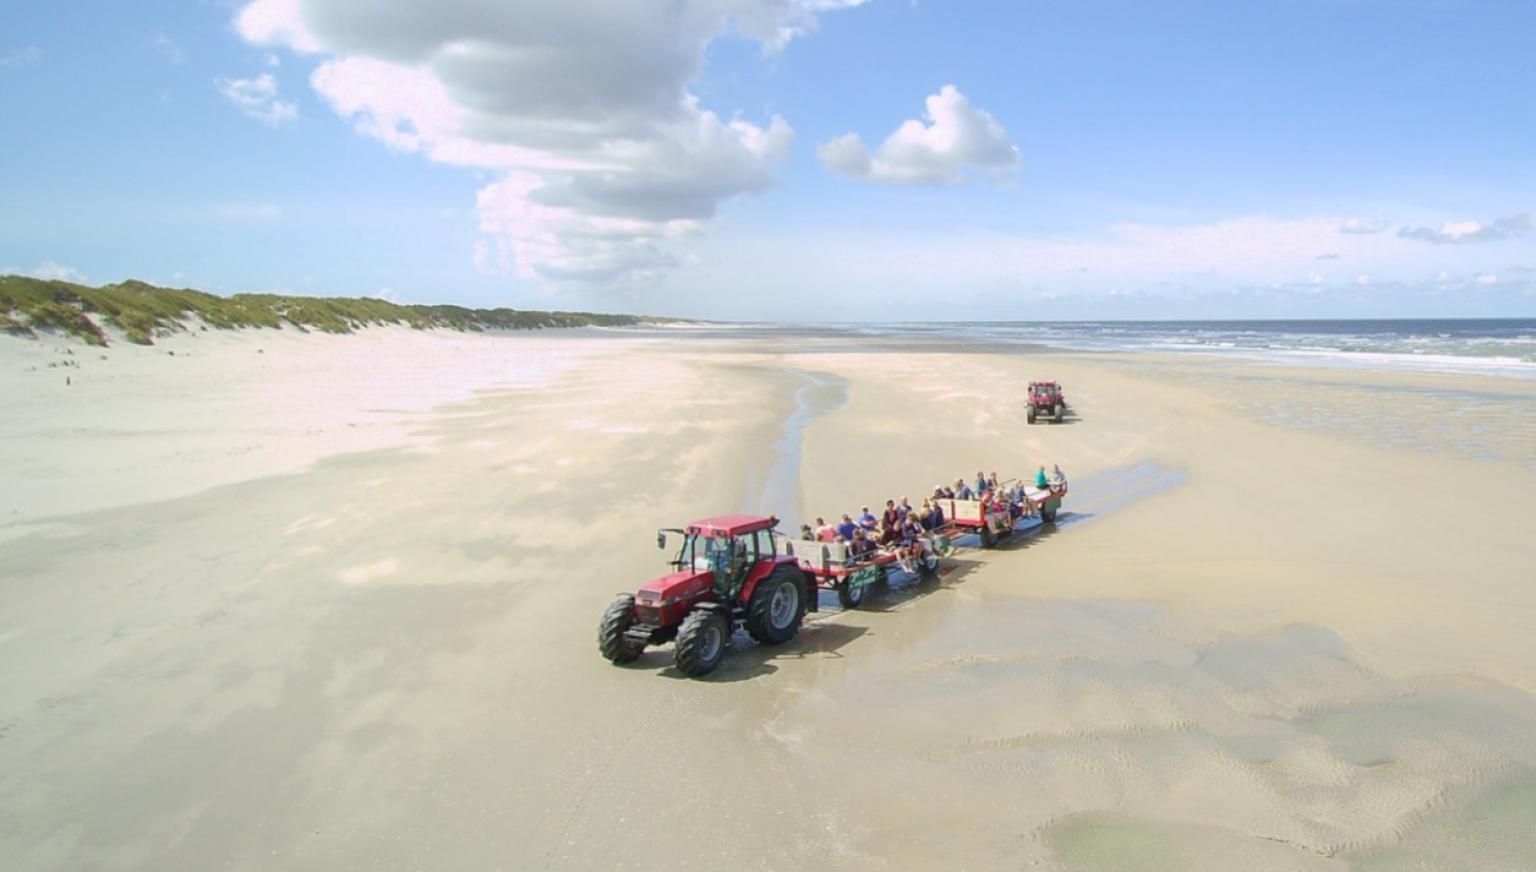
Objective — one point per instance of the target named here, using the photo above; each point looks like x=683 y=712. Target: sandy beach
x=279 y=601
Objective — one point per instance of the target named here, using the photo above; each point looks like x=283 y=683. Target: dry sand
x=337 y=612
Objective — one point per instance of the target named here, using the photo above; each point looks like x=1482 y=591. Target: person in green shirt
x=1041 y=481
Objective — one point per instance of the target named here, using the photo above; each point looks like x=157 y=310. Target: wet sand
x=1254 y=641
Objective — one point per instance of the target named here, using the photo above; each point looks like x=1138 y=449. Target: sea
x=1491 y=346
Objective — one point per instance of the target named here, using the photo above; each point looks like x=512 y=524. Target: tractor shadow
x=746 y=659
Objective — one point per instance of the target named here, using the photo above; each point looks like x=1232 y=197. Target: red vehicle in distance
x=1045 y=398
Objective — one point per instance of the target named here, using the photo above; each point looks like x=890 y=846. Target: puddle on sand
x=778 y=492
x=1099 y=735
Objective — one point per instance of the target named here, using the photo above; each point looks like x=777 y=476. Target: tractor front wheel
x=777 y=606
x=611 y=641
x=1031 y=413
x=701 y=642
x=850 y=596
x=1060 y=413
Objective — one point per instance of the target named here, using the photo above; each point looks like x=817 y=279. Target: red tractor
x=726 y=573
x=1046 y=399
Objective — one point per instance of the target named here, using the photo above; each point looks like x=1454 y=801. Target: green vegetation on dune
x=142 y=311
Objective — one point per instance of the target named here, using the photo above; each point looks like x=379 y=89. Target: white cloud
x=1459 y=232
x=167 y=48
x=953 y=136
x=49 y=271
x=276 y=21
x=258 y=98
x=1362 y=226
x=26 y=55
x=582 y=109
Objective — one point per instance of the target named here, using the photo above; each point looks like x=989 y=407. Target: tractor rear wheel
x=849 y=596
x=617 y=620
x=1059 y=413
x=701 y=642
x=777 y=606
x=988 y=539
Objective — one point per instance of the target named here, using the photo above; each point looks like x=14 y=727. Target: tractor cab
x=728 y=547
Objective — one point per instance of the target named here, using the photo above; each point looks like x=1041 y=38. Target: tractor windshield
x=701 y=552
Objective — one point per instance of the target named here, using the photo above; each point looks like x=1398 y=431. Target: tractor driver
x=718 y=549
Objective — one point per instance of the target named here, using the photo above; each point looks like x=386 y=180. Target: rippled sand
x=1250 y=643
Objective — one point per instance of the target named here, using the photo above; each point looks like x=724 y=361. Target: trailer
x=833 y=567
x=995 y=516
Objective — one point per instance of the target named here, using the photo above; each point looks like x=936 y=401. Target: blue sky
x=796 y=159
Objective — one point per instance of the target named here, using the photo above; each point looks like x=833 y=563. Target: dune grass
x=143 y=311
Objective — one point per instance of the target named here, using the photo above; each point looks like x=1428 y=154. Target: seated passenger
x=825 y=532
x=980 y=486
x=868 y=521
x=963 y=491
x=891 y=516
x=904 y=508
x=861 y=546
x=806 y=532
x=1040 y=480
x=846 y=528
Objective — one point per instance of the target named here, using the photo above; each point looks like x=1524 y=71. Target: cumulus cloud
x=1361 y=226
x=952 y=137
x=1459 y=232
x=258 y=98
x=581 y=109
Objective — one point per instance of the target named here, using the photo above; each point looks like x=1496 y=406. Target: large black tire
x=701 y=642
x=850 y=597
x=1031 y=414
x=777 y=606
x=619 y=617
x=1060 y=413
x=988 y=539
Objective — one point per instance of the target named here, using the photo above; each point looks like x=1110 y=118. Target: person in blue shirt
x=980 y=487
x=868 y=521
x=846 y=528
x=963 y=491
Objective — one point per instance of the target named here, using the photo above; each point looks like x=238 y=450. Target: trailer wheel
x=1060 y=412
x=987 y=537
x=849 y=596
x=777 y=606
x=929 y=565
x=619 y=617
x=701 y=642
